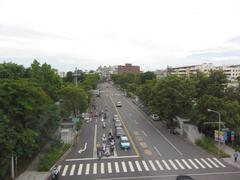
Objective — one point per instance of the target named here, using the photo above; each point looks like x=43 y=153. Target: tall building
x=128 y=68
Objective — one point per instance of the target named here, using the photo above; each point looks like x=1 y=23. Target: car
x=184 y=177
x=119 y=132
x=119 y=104
x=155 y=117
x=124 y=143
x=118 y=124
x=115 y=117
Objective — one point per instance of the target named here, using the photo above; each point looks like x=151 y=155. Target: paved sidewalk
x=230 y=160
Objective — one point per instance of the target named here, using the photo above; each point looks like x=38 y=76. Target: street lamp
x=219 y=122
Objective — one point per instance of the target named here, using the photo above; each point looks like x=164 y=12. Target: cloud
x=145 y=43
x=235 y=40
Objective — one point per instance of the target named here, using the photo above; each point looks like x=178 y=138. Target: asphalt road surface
x=154 y=153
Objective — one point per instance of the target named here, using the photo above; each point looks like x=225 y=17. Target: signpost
x=219 y=136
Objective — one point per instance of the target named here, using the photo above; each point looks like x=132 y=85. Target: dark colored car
x=183 y=177
x=119 y=132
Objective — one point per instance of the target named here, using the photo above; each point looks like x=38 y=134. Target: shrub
x=207 y=143
x=50 y=158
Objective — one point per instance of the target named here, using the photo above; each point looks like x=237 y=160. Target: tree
x=74 y=99
x=12 y=71
x=146 y=76
x=46 y=77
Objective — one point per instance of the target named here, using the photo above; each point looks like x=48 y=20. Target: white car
x=155 y=117
x=119 y=104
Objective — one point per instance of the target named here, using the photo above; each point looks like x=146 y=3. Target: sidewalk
x=230 y=160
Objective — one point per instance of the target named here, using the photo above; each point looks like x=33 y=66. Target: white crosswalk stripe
x=159 y=165
x=191 y=161
x=173 y=165
x=180 y=165
x=131 y=166
x=59 y=168
x=145 y=165
x=138 y=166
x=221 y=164
x=166 y=165
x=102 y=168
x=95 y=168
x=117 y=167
x=87 y=169
x=65 y=170
x=206 y=163
x=72 y=170
x=124 y=166
x=80 y=169
x=200 y=163
x=109 y=167
x=152 y=165
x=213 y=162
x=186 y=164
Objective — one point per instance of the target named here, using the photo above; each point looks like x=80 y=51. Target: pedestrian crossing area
x=130 y=166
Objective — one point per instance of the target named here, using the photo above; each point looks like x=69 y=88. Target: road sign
x=221 y=136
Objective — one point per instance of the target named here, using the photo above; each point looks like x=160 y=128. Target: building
x=187 y=70
x=231 y=71
x=161 y=73
x=128 y=68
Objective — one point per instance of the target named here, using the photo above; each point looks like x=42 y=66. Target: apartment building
x=128 y=68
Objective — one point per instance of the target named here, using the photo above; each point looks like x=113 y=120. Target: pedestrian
x=235 y=155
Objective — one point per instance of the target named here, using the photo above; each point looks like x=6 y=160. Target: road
x=154 y=153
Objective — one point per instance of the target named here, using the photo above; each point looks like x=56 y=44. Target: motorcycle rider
x=55 y=172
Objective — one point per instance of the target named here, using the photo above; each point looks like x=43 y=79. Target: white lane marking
x=80 y=169
x=109 y=167
x=145 y=165
x=84 y=149
x=131 y=166
x=72 y=169
x=95 y=158
x=156 y=149
x=124 y=166
x=200 y=163
x=166 y=165
x=95 y=168
x=211 y=161
x=170 y=175
x=159 y=165
x=95 y=142
x=164 y=137
x=180 y=165
x=138 y=166
x=117 y=167
x=65 y=170
x=102 y=168
x=173 y=165
x=144 y=133
x=87 y=169
x=193 y=163
x=59 y=168
x=206 y=163
x=219 y=162
x=185 y=162
x=152 y=165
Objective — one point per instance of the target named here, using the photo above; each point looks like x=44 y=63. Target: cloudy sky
x=152 y=34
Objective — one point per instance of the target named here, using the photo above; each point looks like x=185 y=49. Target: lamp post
x=219 y=122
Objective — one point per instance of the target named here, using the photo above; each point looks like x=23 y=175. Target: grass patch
x=50 y=158
x=208 y=144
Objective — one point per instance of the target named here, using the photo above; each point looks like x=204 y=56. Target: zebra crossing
x=130 y=166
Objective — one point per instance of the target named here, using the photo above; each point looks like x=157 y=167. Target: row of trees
x=188 y=97
x=32 y=103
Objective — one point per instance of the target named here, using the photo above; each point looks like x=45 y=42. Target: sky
x=89 y=33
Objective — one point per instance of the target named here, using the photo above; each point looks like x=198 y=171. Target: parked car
x=155 y=117
x=119 y=104
x=124 y=143
x=184 y=177
x=115 y=117
x=119 y=132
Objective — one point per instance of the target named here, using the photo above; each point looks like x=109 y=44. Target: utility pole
x=219 y=124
